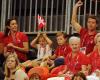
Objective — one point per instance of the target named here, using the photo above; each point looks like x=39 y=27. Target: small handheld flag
x=41 y=22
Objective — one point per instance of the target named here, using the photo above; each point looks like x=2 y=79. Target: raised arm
x=49 y=41
x=33 y=43
x=74 y=21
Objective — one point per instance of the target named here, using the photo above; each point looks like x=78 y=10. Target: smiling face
x=13 y=26
x=74 y=43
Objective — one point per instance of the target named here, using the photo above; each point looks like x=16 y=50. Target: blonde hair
x=41 y=36
x=7 y=71
x=96 y=37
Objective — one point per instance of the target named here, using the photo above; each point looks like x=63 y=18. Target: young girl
x=43 y=45
x=12 y=72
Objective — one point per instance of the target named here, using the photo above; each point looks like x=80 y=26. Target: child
x=43 y=45
x=63 y=48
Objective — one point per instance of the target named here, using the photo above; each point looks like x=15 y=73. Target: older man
x=75 y=59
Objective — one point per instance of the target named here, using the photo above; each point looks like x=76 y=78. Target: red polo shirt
x=1 y=37
x=87 y=40
x=74 y=64
x=62 y=50
x=95 y=60
x=1 y=42
x=17 y=41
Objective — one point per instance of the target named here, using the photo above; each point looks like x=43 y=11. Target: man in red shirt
x=87 y=35
x=75 y=59
x=63 y=48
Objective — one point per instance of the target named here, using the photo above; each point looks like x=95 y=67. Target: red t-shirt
x=74 y=64
x=17 y=41
x=56 y=70
x=1 y=37
x=95 y=60
x=87 y=40
x=62 y=50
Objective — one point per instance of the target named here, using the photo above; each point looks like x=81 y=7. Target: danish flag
x=41 y=22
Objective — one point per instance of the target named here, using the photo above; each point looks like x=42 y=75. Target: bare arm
x=47 y=39
x=24 y=49
x=74 y=22
x=21 y=75
x=53 y=56
x=33 y=43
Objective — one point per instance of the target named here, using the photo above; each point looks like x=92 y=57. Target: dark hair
x=6 y=31
x=79 y=74
x=93 y=17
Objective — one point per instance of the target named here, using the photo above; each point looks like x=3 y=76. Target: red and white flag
x=41 y=22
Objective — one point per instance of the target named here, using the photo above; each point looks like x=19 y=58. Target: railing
x=57 y=14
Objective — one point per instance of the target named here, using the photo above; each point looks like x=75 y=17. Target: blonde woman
x=95 y=55
x=12 y=72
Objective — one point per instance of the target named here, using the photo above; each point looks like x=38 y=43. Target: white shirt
x=43 y=51
x=21 y=75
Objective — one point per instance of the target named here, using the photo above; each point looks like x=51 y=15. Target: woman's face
x=11 y=63
x=13 y=25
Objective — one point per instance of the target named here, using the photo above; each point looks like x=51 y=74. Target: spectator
x=38 y=73
x=43 y=46
x=87 y=35
x=15 y=41
x=63 y=48
x=12 y=72
x=1 y=56
x=1 y=42
x=75 y=59
x=79 y=76
x=1 y=48
x=95 y=55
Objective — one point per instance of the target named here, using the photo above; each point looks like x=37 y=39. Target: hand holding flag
x=41 y=22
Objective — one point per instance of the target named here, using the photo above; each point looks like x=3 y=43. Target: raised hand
x=79 y=3
x=38 y=34
x=44 y=34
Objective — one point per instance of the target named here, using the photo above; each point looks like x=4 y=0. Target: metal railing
x=57 y=14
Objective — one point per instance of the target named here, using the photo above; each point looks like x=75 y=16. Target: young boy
x=63 y=48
